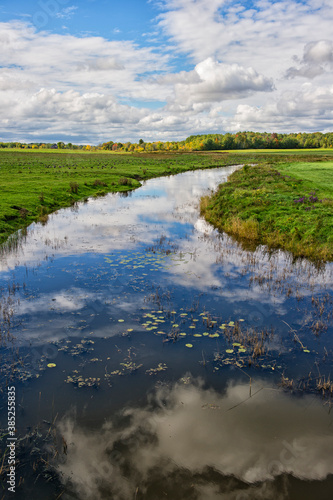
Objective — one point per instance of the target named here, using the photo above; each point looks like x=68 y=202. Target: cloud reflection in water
x=192 y=442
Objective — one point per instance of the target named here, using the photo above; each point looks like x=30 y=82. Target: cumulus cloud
x=53 y=111
x=317 y=58
x=266 y=35
x=214 y=82
x=81 y=62
x=310 y=107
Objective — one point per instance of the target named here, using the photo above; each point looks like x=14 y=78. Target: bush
x=74 y=187
x=98 y=182
x=124 y=181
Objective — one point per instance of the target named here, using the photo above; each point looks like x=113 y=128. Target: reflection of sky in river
x=116 y=222
x=65 y=260
x=187 y=432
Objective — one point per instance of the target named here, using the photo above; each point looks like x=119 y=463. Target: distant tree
x=107 y=145
x=209 y=144
x=228 y=142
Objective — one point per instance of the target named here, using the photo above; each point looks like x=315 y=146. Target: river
x=153 y=357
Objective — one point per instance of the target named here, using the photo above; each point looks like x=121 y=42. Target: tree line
x=205 y=142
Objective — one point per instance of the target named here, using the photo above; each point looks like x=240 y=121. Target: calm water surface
x=155 y=358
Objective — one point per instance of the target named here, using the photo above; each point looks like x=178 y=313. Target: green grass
x=257 y=205
x=313 y=174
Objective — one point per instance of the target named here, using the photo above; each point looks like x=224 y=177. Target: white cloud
x=310 y=108
x=317 y=58
x=215 y=82
x=66 y=13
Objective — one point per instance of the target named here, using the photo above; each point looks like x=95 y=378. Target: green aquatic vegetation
x=210 y=406
x=79 y=381
x=161 y=367
x=128 y=365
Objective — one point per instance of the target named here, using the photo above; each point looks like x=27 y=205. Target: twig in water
x=295 y=334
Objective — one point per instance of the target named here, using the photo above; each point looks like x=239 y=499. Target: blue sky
x=124 y=20
x=90 y=71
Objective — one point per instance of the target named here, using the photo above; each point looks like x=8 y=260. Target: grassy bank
x=286 y=205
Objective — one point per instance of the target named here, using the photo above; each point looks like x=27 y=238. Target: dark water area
x=152 y=357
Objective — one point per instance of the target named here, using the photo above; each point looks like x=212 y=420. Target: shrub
x=23 y=212
x=124 y=181
x=98 y=182
x=74 y=187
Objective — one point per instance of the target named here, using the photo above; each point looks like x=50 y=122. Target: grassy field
x=282 y=205
x=313 y=174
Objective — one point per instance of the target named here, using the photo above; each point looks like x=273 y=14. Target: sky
x=91 y=71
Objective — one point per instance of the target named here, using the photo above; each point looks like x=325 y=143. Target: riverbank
x=287 y=206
